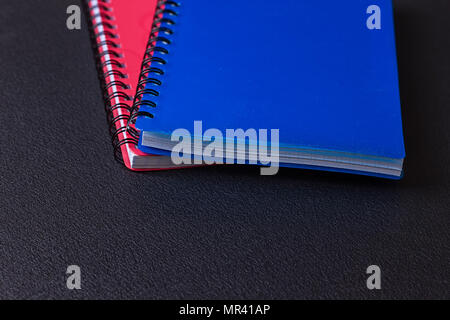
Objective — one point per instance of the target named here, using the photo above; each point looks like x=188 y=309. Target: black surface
x=218 y=232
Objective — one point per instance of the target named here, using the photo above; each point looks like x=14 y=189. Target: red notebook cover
x=121 y=29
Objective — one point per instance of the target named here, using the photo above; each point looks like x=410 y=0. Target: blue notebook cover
x=323 y=72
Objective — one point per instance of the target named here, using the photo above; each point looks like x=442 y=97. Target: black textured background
x=218 y=232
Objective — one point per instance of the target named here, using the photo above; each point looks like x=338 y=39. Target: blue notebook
x=323 y=73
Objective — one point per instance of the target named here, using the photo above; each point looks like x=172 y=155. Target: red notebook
x=121 y=30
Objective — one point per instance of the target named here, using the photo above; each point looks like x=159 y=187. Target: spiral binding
x=107 y=50
x=157 y=46
x=109 y=65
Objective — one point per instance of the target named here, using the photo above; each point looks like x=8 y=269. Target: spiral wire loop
x=121 y=114
x=152 y=69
